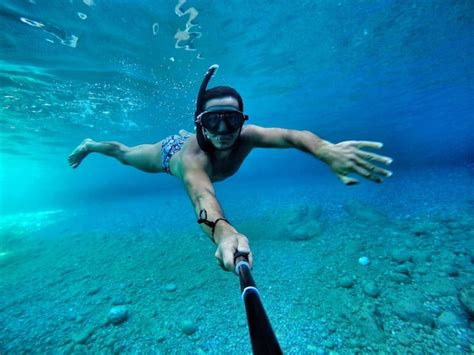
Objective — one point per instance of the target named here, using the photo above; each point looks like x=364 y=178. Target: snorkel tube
x=204 y=144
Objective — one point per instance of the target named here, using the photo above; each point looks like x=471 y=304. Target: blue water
x=397 y=72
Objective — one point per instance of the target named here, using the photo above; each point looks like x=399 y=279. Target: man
x=217 y=150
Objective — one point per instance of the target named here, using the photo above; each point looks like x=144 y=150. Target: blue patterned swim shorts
x=169 y=147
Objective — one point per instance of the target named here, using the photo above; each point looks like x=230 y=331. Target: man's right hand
x=228 y=243
x=79 y=153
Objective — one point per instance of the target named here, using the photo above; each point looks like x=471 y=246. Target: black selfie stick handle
x=264 y=341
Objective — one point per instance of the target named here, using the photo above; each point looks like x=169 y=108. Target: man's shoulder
x=251 y=130
x=252 y=133
x=192 y=154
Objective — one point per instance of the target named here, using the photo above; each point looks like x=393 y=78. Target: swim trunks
x=169 y=147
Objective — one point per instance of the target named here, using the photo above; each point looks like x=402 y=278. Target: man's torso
x=217 y=166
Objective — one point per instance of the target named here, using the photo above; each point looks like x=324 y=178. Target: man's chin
x=223 y=145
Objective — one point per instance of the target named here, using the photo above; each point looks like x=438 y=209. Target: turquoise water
x=76 y=243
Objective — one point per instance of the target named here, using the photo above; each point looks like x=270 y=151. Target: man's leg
x=146 y=157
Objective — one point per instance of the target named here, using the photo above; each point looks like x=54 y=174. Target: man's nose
x=222 y=126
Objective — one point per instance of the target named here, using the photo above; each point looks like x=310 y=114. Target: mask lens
x=232 y=119
x=211 y=121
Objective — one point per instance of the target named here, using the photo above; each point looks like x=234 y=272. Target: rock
x=312 y=348
x=424 y=228
x=299 y=214
x=329 y=344
x=450 y=270
x=118 y=300
x=400 y=278
x=188 y=327
x=371 y=326
x=466 y=297
x=422 y=257
x=82 y=337
x=315 y=212
x=406 y=269
x=448 y=319
x=170 y=287
x=117 y=315
x=370 y=289
x=93 y=291
x=346 y=282
x=306 y=231
x=160 y=335
x=442 y=289
x=364 y=212
x=401 y=256
x=404 y=338
x=413 y=311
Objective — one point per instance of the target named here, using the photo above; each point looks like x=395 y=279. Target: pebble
x=451 y=270
x=93 y=291
x=312 y=348
x=466 y=297
x=404 y=339
x=346 y=282
x=306 y=231
x=188 y=327
x=160 y=335
x=118 y=300
x=364 y=261
x=401 y=256
x=81 y=338
x=370 y=289
x=400 y=278
x=411 y=310
x=170 y=287
x=448 y=319
x=117 y=315
x=404 y=269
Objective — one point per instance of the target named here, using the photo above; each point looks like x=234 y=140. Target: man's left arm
x=343 y=158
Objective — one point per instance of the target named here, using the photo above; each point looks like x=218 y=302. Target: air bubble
x=156 y=28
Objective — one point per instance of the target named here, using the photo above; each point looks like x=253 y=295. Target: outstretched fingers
x=357 y=160
x=374 y=157
x=372 y=168
x=347 y=180
x=366 y=144
x=367 y=174
x=73 y=160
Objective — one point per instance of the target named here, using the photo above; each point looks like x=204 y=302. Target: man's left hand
x=348 y=157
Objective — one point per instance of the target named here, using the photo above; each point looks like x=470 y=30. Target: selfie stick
x=264 y=341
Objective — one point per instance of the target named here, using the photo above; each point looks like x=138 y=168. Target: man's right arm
x=145 y=157
x=202 y=194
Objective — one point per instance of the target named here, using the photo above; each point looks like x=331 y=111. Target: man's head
x=218 y=116
x=221 y=119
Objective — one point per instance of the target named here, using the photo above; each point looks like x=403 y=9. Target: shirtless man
x=217 y=150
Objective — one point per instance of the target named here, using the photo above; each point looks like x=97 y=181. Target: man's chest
x=227 y=166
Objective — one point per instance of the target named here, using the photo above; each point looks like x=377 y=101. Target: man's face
x=221 y=139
